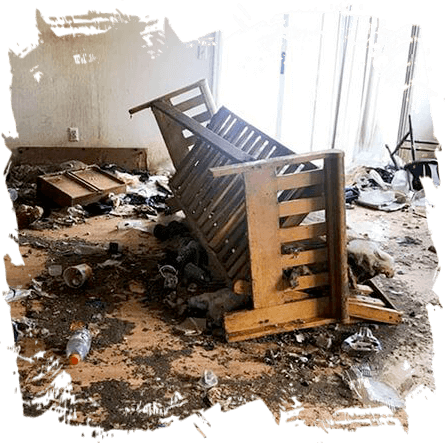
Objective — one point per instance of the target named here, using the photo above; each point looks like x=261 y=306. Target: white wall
x=90 y=82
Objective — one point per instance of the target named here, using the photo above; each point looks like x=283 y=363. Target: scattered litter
x=37 y=287
x=15 y=329
x=366 y=260
x=362 y=342
x=109 y=263
x=300 y=338
x=55 y=270
x=215 y=304
x=140 y=225
x=323 y=341
x=85 y=249
x=26 y=215
x=388 y=201
x=136 y=287
x=214 y=395
x=194 y=273
x=368 y=387
x=208 y=380
x=13 y=194
x=407 y=240
x=78 y=345
x=76 y=276
x=170 y=275
x=17 y=294
x=114 y=248
x=351 y=194
x=171 y=230
x=192 y=326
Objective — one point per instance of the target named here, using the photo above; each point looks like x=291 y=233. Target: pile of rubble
x=145 y=196
x=385 y=189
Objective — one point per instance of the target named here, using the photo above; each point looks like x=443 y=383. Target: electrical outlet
x=73 y=134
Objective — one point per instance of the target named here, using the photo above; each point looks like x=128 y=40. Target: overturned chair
x=267 y=217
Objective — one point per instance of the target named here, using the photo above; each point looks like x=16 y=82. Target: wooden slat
x=233 y=336
x=287 y=235
x=173 y=137
x=264 y=246
x=216 y=237
x=234 y=270
x=368 y=311
x=301 y=206
x=276 y=162
x=304 y=258
x=191 y=140
x=335 y=214
x=210 y=137
x=214 y=193
x=312 y=281
x=284 y=313
x=208 y=98
x=190 y=103
x=183 y=169
x=203 y=117
x=201 y=177
x=301 y=179
x=232 y=201
x=240 y=249
x=201 y=84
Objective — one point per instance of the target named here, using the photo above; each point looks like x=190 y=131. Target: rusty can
x=76 y=276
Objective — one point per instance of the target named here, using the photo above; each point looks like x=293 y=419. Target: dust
x=142 y=370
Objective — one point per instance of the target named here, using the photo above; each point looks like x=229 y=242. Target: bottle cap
x=74 y=359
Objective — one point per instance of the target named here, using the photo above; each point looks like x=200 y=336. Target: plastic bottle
x=208 y=379
x=78 y=345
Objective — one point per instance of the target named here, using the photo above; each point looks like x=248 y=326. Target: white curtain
x=320 y=80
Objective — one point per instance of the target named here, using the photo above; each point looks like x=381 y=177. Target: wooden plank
x=304 y=258
x=190 y=103
x=298 y=311
x=234 y=270
x=295 y=233
x=276 y=162
x=335 y=214
x=264 y=245
x=214 y=193
x=239 y=250
x=208 y=97
x=301 y=206
x=201 y=84
x=173 y=137
x=187 y=162
x=214 y=238
x=210 y=137
x=312 y=281
x=203 y=117
x=230 y=205
x=301 y=179
x=312 y=256
x=371 y=312
x=233 y=336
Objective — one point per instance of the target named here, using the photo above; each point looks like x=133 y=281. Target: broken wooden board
x=374 y=307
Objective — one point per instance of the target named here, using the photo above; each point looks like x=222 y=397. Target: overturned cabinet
x=265 y=215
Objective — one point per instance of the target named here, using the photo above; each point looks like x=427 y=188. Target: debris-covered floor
x=147 y=359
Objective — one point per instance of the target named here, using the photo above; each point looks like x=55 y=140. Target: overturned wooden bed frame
x=259 y=210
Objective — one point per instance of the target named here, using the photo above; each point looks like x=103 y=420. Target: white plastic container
x=78 y=345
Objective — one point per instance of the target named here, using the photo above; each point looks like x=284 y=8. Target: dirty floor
x=143 y=370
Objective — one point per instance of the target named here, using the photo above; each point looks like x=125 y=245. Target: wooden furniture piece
x=265 y=215
x=80 y=186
